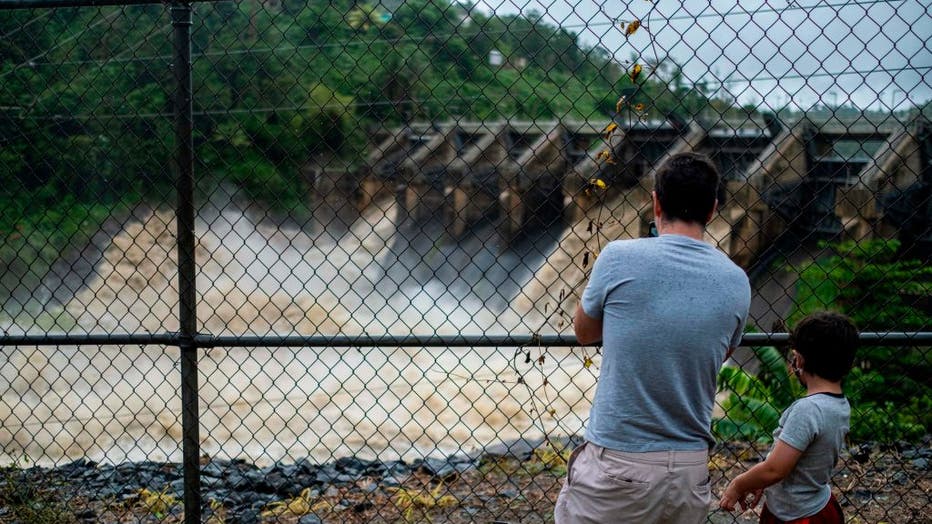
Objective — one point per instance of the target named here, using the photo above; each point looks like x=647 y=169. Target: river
x=377 y=273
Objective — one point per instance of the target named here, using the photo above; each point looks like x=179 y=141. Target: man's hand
x=588 y=330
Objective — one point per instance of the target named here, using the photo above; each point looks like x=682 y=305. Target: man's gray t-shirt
x=671 y=307
x=815 y=425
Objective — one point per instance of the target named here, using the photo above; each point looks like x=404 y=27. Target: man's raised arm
x=588 y=330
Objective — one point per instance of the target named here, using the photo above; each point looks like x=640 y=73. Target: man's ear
x=657 y=210
x=712 y=213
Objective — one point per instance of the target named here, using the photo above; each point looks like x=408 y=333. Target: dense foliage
x=85 y=122
x=754 y=402
x=889 y=387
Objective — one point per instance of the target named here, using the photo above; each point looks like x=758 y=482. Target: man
x=669 y=311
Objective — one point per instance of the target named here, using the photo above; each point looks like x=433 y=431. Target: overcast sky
x=882 y=46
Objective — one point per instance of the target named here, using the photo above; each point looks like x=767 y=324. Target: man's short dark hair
x=827 y=341
x=686 y=186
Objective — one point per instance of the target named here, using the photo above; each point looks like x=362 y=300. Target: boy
x=795 y=476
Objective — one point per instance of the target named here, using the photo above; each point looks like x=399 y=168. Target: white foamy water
x=379 y=275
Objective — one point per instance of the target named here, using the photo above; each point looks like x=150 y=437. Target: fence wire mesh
x=397 y=207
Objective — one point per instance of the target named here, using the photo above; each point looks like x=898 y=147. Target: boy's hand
x=755 y=497
x=729 y=498
x=746 y=500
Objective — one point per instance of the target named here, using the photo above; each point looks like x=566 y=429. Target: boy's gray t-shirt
x=671 y=307
x=815 y=425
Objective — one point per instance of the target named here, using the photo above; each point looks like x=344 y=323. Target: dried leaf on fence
x=635 y=73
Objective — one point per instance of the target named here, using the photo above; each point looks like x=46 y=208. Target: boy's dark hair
x=827 y=341
x=686 y=186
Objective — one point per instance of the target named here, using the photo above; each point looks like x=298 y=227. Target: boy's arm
x=779 y=464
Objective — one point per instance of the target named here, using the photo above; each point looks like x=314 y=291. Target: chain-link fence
x=301 y=261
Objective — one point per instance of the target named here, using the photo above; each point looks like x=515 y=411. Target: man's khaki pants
x=604 y=485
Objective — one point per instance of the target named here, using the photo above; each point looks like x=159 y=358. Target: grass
x=815 y=290
x=298 y=506
x=158 y=503
x=411 y=501
x=30 y=502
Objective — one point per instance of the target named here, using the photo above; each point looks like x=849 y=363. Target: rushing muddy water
x=378 y=274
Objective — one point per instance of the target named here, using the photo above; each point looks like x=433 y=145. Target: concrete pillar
x=414 y=195
x=459 y=215
x=857 y=208
x=513 y=208
x=896 y=165
x=372 y=189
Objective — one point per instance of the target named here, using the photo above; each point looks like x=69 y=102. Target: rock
x=509 y=493
x=126 y=468
x=520 y=449
x=363 y=506
x=332 y=491
x=305 y=466
x=176 y=486
x=396 y=467
x=256 y=481
x=392 y=481
x=109 y=492
x=374 y=469
x=212 y=469
x=445 y=469
x=351 y=465
x=279 y=482
x=439 y=468
x=77 y=467
x=861 y=453
x=327 y=474
x=900 y=478
x=214 y=494
x=87 y=515
x=309 y=519
x=237 y=481
x=211 y=482
x=246 y=516
x=920 y=463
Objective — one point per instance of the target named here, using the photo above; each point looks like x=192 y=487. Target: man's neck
x=686 y=229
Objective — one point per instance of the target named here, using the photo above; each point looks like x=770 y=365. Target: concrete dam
x=859 y=178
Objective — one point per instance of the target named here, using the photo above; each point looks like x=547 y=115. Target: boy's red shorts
x=830 y=514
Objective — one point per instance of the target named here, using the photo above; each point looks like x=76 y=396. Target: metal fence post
x=187 y=314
